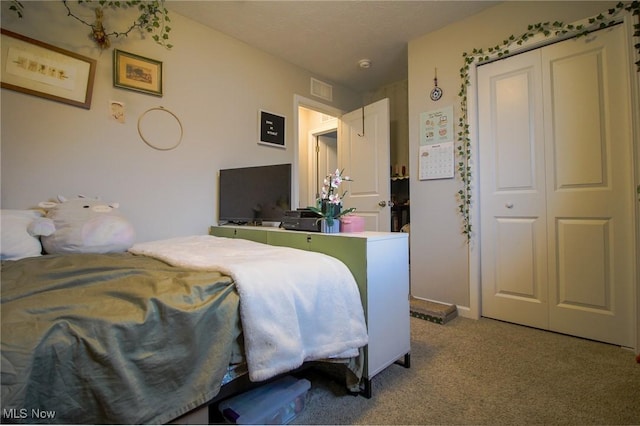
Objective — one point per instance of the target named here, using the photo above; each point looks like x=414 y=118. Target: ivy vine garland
x=153 y=18
x=556 y=28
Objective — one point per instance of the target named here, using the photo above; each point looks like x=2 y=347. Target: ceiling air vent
x=321 y=89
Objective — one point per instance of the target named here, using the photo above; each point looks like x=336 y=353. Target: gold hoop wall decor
x=159 y=132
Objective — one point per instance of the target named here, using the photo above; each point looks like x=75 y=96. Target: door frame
x=301 y=101
x=330 y=126
x=475 y=306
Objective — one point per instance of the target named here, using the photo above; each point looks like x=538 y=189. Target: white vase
x=333 y=229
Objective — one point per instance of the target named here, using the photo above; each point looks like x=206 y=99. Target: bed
x=147 y=335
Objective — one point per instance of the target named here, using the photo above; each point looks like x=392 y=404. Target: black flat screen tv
x=252 y=195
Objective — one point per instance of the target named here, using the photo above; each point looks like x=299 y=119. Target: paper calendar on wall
x=436 y=154
x=436 y=161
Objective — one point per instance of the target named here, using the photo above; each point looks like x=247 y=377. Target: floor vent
x=321 y=89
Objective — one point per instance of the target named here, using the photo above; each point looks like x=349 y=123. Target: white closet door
x=512 y=191
x=590 y=187
x=556 y=189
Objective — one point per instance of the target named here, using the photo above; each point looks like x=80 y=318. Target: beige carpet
x=489 y=372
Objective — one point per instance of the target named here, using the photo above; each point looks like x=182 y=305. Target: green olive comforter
x=118 y=338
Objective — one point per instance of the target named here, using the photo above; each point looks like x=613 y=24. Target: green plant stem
x=153 y=18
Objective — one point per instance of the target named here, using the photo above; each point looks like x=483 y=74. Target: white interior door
x=556 y=189
x=590 y=187
x=363 y=153
x=512 y=191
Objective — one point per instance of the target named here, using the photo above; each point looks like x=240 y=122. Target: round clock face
x=436 y=93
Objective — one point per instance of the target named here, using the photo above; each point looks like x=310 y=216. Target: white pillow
x=20 y=230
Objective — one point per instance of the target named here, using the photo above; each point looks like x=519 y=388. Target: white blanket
x=295 y=305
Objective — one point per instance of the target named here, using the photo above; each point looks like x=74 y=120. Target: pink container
x=351 y=223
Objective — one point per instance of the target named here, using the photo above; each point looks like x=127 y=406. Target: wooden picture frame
x=137 y=73
x=271 y=128
x=40 y=69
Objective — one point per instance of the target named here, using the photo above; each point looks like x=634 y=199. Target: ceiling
x=328 y=37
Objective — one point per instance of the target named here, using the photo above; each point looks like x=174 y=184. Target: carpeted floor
x=489 y=372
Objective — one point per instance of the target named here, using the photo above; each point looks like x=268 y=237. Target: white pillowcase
x=19 y=235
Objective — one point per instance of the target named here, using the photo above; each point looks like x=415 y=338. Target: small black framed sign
x=271 y=129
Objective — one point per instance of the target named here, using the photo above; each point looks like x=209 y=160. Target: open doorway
x=317 y=143
x=324 y=157
x=362 y=149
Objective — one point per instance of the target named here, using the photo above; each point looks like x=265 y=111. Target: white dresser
x=379 y=262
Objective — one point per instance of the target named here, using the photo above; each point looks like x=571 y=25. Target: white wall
x=213 y=83
x=439 y=251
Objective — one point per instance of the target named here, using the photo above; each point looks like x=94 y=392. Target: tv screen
x=254 y=194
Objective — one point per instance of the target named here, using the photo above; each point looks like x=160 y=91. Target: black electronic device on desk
x=301 y=220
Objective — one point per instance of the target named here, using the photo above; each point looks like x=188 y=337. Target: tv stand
x=256 y=224
x=379 y=262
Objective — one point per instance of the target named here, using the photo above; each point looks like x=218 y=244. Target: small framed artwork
x=40 y=69
x=271 y=129
x=137 y=73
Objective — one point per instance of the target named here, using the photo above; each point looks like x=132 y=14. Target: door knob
x=382 y=203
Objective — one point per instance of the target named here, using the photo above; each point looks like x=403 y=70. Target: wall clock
x=436 y=92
